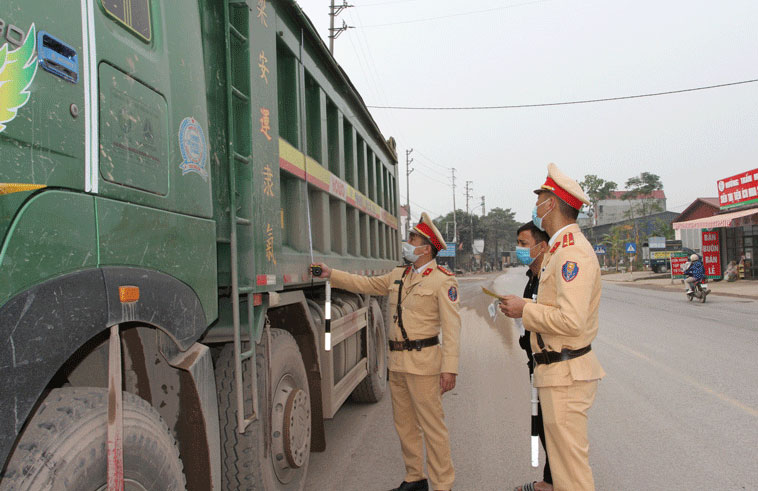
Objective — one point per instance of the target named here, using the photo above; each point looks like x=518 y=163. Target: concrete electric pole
x=408 y=171
x=334 y=33
x=469 y=192
x=483 y=212
x=455 y=221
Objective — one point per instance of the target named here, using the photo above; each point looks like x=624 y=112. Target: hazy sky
x=510 y=52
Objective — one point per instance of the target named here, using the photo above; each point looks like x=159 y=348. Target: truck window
x=134 y=15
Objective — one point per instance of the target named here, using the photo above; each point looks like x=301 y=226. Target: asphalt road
x=678 y=409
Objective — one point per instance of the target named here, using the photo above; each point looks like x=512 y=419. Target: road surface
x=678 y=409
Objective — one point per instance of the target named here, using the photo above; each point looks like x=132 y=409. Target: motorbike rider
x=694 y=272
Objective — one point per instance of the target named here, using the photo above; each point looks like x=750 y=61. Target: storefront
x=732 y=233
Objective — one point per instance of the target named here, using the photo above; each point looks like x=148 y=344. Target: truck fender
x=42 y=327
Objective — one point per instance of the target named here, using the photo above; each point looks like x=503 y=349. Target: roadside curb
x=673 y=288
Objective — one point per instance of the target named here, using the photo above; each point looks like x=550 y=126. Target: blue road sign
x=630 y=248
x=449 y=252
x=600 y=249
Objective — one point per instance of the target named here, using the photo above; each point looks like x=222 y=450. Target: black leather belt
x=413 y=344
x=547 y=357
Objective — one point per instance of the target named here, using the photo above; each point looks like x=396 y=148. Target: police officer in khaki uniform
x=564 y=319
x=424 y=303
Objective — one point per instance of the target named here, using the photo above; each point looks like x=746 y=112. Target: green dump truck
x=168 y=171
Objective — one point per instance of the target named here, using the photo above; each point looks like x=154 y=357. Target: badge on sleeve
x=569 y=271
x=452 y=294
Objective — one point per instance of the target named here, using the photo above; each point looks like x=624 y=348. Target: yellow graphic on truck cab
x=17 y=70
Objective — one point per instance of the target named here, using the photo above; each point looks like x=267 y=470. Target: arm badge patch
x=569 y=271
x=452 y=294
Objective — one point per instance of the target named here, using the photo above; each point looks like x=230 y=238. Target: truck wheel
x=64 y=445
x=372 y=388
x=245 y=463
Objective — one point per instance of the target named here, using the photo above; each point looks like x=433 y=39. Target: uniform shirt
x=530 y=292
x=430 y=304
x=566 y=311
x=696 y=270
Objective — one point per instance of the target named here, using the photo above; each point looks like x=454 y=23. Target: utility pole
x=468 y=212
x=455 y=221
x=408 y=171
x=334 y=33
x=468 y=194
x=483 y=213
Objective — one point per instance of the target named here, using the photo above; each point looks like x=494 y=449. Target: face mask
x=523 y=254
x=537 y=220
x=409 y=253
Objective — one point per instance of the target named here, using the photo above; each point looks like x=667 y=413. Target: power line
x=377 y=4
x=567 y=103
x=433 y=162
x=460 y=14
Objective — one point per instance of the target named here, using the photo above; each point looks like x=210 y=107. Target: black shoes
x=413 y=486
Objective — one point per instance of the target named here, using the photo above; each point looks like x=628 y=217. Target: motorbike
x=699 y=291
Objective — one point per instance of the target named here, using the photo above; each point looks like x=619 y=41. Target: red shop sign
x=711 y=254
x=738 y=190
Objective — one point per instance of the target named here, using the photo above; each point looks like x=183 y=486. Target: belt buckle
x=418 y=345
x=565 y=355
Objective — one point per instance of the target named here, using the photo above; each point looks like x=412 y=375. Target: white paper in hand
x=492 y=309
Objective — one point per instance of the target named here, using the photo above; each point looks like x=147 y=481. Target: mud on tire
x=245 y=463
x=64 y=445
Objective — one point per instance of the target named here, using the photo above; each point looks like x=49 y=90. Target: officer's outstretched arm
x=371 y=285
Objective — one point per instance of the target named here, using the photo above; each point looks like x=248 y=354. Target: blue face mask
x=524 y=254
x=538 y=220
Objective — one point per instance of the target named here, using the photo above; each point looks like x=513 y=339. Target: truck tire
x=372 y=388
x=64 y=445
x=245 y=464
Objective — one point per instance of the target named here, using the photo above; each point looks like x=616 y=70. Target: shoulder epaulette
x=555 y=247
x=407 y=269
x=445 y=270
x=568 y=239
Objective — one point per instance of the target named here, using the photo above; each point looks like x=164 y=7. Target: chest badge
x=452 y=294
x=569 y=271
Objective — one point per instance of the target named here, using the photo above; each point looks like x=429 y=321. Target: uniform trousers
x=418 y=414
x=564 y=412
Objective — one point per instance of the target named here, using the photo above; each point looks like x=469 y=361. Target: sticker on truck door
x=17 y=70
x=193 y=147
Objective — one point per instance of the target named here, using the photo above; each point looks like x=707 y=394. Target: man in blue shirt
x=694 y=273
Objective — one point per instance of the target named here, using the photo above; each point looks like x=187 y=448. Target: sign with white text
x=711 y=254
x=678 y=259
x=738 y=190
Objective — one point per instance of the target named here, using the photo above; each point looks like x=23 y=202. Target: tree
x=614 y=241
x=597 y=189
x=499 y=230
x=662 y=228
x=639 y=193
x=641 y=188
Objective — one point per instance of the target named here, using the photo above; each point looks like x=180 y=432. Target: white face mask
x=409 y=252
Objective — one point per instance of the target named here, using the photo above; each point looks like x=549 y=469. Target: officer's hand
x=326 y=271
x=447 y=381
x=512 y=306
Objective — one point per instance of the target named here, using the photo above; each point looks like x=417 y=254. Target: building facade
x=616 y=208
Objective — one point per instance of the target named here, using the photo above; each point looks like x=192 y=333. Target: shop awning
x=724 y=220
